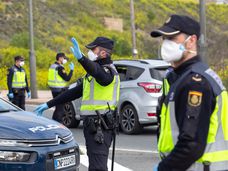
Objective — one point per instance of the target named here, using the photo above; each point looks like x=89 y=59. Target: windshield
x=6 y=107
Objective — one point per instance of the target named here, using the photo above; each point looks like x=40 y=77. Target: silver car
x=140 y=88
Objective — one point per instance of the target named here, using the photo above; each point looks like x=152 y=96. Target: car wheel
x=69 y=119
x=129 y=120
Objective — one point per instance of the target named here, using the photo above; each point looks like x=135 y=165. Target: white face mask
x=64 y=61
x=92 y=56
x=22 y=63
x=172 y=51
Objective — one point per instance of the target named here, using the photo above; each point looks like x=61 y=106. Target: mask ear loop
x=159 y=48
x=190 y=51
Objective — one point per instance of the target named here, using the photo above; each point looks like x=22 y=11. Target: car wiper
x=8 y=110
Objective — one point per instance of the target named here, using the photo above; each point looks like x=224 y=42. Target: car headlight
x=5 y=142
x=12 y=156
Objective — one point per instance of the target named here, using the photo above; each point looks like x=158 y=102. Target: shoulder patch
x=194 y=98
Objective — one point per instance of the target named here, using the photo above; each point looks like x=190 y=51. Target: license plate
x=64 y=162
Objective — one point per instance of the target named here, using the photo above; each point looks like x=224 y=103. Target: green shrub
x=21 y=40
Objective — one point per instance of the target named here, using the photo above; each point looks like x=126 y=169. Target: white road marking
x=83 y=150
x=117 y=167
x=84 y=159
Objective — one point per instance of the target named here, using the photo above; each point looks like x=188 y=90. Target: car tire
x=129 y=121
x=68 y=118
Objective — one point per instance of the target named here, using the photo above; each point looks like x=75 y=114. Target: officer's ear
x=192 y=42
x=103 y=54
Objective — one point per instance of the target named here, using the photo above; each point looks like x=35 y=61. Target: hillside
x=56 y=21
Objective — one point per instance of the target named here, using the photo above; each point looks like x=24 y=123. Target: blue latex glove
x=39 y=109
x=29 y=94
x=71 y=65
x=75 y=49
x=10 y=95
x=155 y=168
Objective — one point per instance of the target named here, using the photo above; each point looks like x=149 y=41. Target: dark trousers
x=97 y=153
x=59 y=109
x=19 y=98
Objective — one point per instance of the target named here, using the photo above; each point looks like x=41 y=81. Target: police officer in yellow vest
x=194 y=114
x=57 y=81
x=99 y=87
x=17 y=83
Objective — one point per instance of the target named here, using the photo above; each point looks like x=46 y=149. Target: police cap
x=60 y=54
x=19 y=58
x=102 y=42
x=178 y=24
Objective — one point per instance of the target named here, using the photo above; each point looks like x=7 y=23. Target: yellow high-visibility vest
x=18 y=78
x=54 y=79
x=96 y=96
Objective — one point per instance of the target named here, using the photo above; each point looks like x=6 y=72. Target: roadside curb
x=36 y=101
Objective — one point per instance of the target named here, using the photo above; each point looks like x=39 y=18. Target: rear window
x=158 y=73
x=134 y=72
x=127 y=73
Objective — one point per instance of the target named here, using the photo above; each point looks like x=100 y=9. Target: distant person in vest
x=194 y=113
x=17 y=83
x=57 y=81
x=99 y=87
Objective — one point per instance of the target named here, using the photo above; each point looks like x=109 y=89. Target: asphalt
x=43 y=96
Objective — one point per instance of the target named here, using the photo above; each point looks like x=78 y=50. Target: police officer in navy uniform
x=99 y=87
x=17 y=83
x=57 y=81
x=193 y=116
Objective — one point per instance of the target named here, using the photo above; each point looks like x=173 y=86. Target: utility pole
x=202 y=41
x=134 y=50
x=32 y=59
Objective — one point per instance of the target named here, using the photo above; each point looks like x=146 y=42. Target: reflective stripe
x=224 y=115
x=165 y=87
x=174 y=127
x=215 y=166
x=99 y=102
x=18 y=78
x=54 y=79
x=92 y=111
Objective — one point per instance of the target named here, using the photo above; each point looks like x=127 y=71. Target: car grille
x=46 y=142
x=51 y=156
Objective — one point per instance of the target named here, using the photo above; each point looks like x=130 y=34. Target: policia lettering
x=215 y=155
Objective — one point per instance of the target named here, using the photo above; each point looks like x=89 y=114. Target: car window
x=133 y=72
x=158 y=73
x=6 y=107
x=122 y=70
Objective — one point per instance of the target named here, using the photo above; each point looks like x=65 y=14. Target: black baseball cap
x=60 y=54
x=178 y=24
x=102 y=42
x=19 y=58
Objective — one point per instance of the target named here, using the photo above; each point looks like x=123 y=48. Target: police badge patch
x=194 y=98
